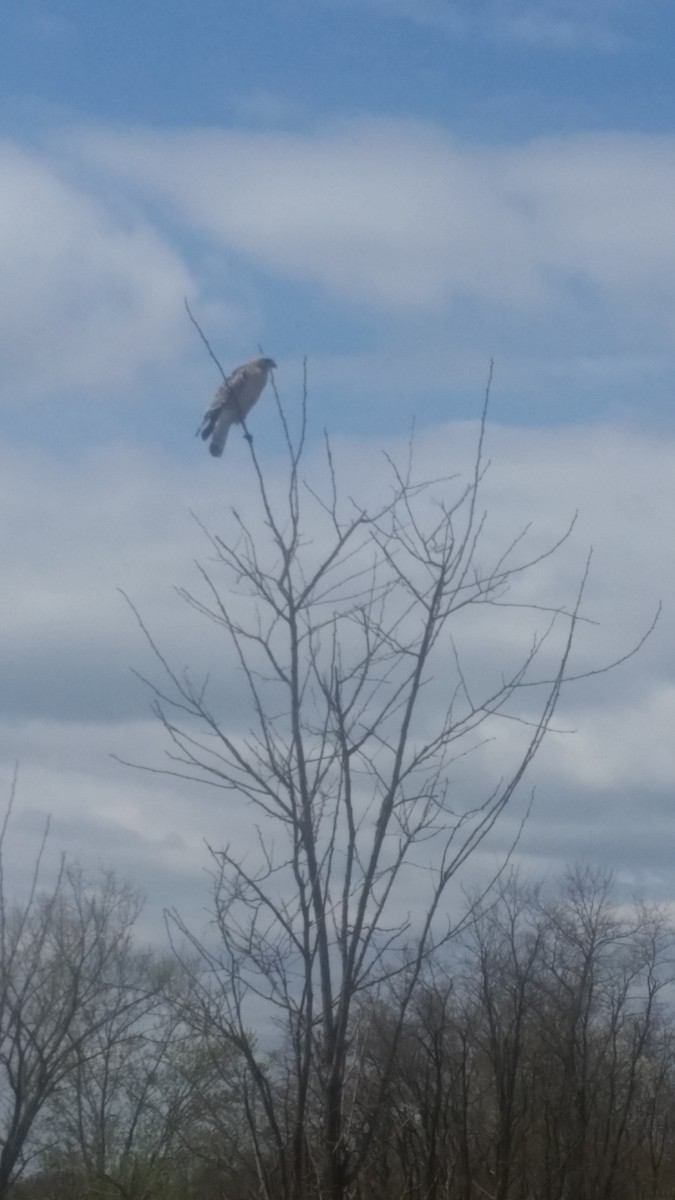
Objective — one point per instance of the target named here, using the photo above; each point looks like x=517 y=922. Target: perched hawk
x=233 y=401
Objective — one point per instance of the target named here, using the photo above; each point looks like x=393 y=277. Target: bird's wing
x=214 y=410
x=236 y=395
x=244 y=387
x=219 y=398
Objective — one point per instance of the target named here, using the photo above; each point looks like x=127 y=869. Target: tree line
x=536 y=1059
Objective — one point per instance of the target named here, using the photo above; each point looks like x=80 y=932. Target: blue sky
x=498 y=70
x=398 y=190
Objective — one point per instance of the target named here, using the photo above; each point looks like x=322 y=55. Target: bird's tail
x=218 y=441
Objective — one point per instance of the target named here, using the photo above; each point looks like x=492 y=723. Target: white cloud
x=91 y=294
x=387 y=213
x=404 y=218
x=556 y=256
x=71 y=536
x=620 y=745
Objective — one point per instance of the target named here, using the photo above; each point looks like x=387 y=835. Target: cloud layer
x=554 y=255
x=71 y=700
x=559 y=251
x=398 y=214
x=91 y=293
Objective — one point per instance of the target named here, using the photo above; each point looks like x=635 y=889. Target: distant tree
x=352 y=626
x=551 y=1007
x=120 y=1118
x=599 y=1023
x=503 y=948
x=65 y=957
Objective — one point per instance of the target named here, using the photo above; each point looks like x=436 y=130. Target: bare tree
x=550 y=1008
x=504 y=944
x=120 y=1118
x=61 y=957
x=598 y=1018
x=351 y=625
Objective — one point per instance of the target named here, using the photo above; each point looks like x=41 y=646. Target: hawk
x=233 y=401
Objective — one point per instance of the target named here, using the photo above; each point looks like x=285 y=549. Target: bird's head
x=267 y=363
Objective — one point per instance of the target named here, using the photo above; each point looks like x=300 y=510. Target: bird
x=233 y=401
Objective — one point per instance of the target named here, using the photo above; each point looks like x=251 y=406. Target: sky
x=397 y=191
